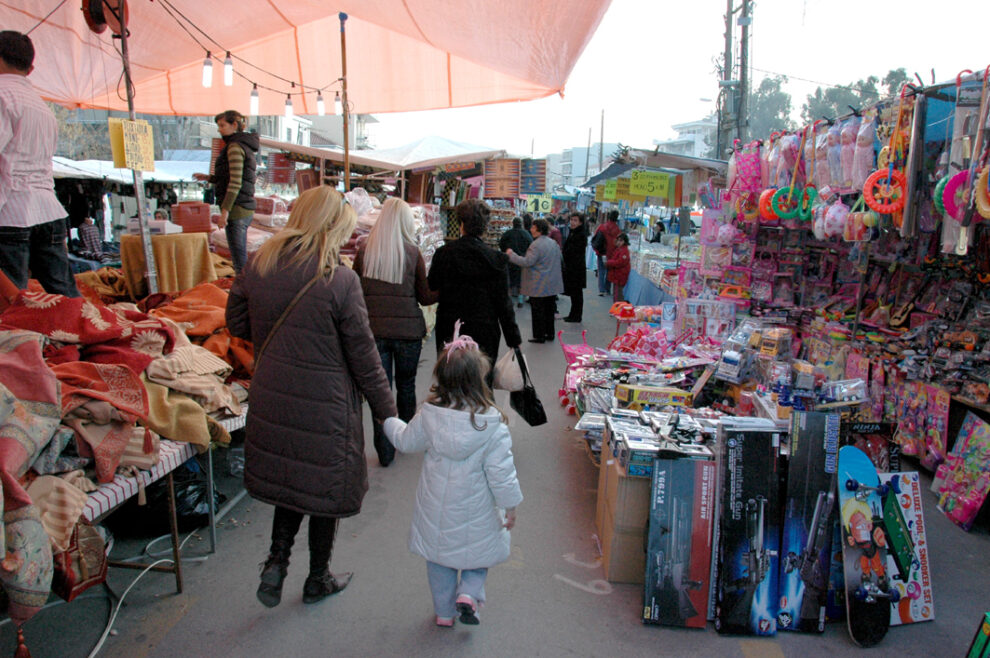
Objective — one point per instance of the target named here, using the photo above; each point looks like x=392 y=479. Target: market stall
x=834 y=311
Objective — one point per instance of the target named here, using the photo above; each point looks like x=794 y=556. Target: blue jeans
x=403 y=356
x=40 y=251
x=446 y=589
x=603 y=285
x=236 y=231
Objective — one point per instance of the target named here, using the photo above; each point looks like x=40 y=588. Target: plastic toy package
x=963 y=481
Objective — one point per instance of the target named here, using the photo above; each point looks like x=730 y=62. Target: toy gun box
x=751 y=468
x=679 y=547
x=809 y=516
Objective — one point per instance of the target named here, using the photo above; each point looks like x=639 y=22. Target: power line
x=47 y=16
x=816 y=82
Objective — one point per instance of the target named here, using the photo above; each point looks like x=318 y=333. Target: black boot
x=384 y=448
x=321 y=585
x=273 y=574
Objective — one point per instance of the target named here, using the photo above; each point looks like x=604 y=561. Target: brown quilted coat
x=304 y=446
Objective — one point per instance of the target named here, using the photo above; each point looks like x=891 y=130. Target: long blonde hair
x=321 y=221
x=385 y=252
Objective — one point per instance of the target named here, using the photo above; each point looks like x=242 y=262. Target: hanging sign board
x=610 y=189
x=623 y=192
x=132 y=144
x=539 y=203
x=648 y=183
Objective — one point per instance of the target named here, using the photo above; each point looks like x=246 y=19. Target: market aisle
x=548 y=600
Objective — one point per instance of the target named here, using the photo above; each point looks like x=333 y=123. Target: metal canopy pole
x=150 y=271
x=345 y=112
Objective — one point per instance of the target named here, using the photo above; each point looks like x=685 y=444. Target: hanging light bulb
x=338 y=107
x=208 y=71
x=321 y=107
x=288 y=106
x=254 y=101
x=228 y=71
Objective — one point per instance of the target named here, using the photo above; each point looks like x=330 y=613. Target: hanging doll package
x=850 y=129
x=863 y=155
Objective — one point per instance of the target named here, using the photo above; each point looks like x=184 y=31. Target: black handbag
x=525 y=402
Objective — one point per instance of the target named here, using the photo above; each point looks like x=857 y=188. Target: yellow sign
x=623 y=192
x=648 y=183
x=539 y=203
x=599 y=192
x=132 y=144
x=610 y=189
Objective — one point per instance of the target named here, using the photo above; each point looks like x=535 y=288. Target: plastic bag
x=863 y=155
x=850 y=128
x=508 y=374
x=835 y=154
x=823 y=175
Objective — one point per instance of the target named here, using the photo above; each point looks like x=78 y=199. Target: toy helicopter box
x=809 y=517
x=751 y=470
x=679 y=549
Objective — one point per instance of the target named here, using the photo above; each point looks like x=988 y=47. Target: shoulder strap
x=285 y=314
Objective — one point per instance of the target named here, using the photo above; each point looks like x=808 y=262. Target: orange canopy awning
x=402 y=55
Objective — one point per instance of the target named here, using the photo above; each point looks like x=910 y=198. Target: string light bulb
x=228 y=71
x=338 y=107
x=288 y=106
x=321 y=108
x=208 y=70
x=254 y=101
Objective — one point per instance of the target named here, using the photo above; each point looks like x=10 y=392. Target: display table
x=181 y=259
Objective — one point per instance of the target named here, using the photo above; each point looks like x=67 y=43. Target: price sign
x=648 y=183
x=539 y=203
x=610 y=189
x=132 y=144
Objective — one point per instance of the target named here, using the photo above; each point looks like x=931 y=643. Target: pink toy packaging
x=850 y=129
x=864 y=156
x=965 y=476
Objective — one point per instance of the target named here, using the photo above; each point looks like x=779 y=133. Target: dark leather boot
x=384 y=448
x=273 y=574
x=322 y=584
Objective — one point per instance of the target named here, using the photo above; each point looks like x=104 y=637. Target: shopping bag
x=83 y=565
x=526 y=403
x=508 y=374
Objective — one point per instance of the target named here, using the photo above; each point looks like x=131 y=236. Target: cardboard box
x=980 y=646
x=752 y=470
x=810 y=511
x=637 y=396
x=915 y=587
x=678 y=559
x=623 y=550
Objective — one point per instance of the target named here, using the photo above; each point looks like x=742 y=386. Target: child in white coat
x=468 y=477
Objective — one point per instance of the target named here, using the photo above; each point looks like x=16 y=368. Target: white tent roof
x=166 y=171
x=426 y=152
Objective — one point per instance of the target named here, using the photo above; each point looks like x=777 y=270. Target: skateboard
x=869 y=594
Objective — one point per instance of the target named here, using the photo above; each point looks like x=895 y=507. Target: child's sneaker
x=468 y=609
x=445 y=622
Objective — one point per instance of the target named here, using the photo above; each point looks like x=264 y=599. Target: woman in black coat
x=575 y=270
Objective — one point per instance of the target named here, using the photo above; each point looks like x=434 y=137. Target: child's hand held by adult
x=510 y=519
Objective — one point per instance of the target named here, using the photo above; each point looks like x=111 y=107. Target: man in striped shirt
x=32 y=221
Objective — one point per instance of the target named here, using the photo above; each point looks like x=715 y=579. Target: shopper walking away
x=473 y=285
x=541 y=279
x=393 y=278
x=315 y=358
x=32 y=221
x=517 y=239
x=468 y=476
x=618 y=266
x=603 y=248
x=575 y=269
x=233 y=176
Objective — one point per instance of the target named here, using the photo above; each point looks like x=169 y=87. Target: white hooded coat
x=467 y=476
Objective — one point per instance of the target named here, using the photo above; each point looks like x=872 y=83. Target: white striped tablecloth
x=110 y=495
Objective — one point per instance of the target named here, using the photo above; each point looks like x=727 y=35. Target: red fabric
x=104 y=438
x=618 y=266
x=126 y=338
x=611 y=231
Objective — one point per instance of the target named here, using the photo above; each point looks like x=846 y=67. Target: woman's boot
x=321 y=583
x=285 y=525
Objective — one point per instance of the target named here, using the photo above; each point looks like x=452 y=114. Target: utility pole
x=742 y=115
x=587 y=157
x=724 y=125
x=601 y=143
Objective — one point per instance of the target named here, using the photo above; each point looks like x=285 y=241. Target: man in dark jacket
x=575 y=266
x=518 y=241
x=474 y=286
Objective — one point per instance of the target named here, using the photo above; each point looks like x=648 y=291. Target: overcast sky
x=651 y=63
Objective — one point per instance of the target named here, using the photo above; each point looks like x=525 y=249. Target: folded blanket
x=202 y=307
x=194 y=370
x=60 y=505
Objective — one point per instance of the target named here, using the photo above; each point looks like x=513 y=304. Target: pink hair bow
x=460 y=342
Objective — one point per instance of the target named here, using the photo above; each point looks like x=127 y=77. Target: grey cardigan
x=541 y=268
